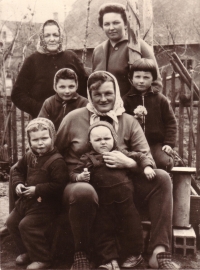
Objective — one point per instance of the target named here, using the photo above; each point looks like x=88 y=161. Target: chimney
x=55 y=16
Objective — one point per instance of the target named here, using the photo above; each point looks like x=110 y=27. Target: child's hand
x=149 y=172
x=29 y=192
x=19 y=189
x=84 y=176
x=167 y=149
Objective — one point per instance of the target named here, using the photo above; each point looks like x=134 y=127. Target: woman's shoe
x=39 y=265
x=113 y=265
x=132 y=261
x=22 y=259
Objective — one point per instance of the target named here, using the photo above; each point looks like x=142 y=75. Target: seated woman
x=80 y=198
x=112 y=54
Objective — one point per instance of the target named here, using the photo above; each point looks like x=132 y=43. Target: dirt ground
x=8 y=251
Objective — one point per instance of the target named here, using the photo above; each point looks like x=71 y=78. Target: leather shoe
x=132 y=261
x=39 y=265
x=4 y=231
x=23 y=259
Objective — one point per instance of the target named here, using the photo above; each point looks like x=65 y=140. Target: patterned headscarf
x=118 y=108
x=42 y=47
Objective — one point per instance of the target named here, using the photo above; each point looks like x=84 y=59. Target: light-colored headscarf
x=118 y=108
x=41 y=46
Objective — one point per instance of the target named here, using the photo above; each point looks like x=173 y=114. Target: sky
x=15 y=10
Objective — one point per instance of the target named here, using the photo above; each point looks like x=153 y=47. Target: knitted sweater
x=55 y=109
x=115 y=60
x=160 y=121
x=72 y=138
x=34 y=83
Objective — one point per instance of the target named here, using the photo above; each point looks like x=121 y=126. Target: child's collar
x=134 y=91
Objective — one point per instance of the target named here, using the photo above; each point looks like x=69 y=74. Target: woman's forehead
x=51 y=28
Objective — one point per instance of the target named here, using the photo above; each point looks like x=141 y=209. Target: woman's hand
x=116 y=159
x=149 y=172
x=19 y=189
x=29 y=192
x=167 y=149
x=83 y=177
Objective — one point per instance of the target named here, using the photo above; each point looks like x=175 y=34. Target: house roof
x=174 y=22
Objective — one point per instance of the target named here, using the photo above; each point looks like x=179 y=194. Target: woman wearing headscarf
x=80 y=198
x=34 y=83
x=112 y=54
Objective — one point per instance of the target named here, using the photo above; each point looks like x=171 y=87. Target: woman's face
x=114 y=26
x=103 y=99
x=51 y=37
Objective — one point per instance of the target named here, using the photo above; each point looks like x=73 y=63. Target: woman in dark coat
x=34 y=83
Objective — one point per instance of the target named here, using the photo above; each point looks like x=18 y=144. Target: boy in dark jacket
x=66 y=98
x=114 y=189
x=153 y=111
x=38 y=179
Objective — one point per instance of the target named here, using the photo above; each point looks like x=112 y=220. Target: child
x=153 y=111
x=114 y=190
x=38 y=179
x=66 y=98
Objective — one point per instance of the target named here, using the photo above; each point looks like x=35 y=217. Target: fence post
x=164 y=81
x=198 y=144
x=173 y=89
x=181 y=122
x=23 y=133
x=191 y=123
x=14 y=134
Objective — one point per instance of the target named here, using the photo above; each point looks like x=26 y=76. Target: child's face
x=101 y=139
x=66 y=89
x=41 y=141
x=142 y=80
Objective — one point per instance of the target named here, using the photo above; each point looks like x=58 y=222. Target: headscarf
x=41 y=47
x=48 y=124
x=118 y=108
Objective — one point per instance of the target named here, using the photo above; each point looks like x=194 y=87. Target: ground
x=9 y=252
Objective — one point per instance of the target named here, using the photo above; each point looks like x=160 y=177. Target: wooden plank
x=191 y=135
x=181 y=124
x=198 y=144
x=173 y=94
x=164 y=81
x=14 y=135
x=184 y=170
x=23 y=133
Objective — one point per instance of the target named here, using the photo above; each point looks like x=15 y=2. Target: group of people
x=99 y=165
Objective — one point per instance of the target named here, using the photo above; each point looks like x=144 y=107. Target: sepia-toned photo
x=99 y=134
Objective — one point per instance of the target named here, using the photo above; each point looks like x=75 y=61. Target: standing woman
x=34 y=83
x=112 y=54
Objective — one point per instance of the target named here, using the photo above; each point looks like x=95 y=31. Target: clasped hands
x=24 y=191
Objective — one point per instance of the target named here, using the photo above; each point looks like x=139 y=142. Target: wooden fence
x=187 y=112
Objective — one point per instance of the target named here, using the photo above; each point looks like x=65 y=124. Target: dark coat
x=54 y=108
x=34 y=83
x=160 y=121
x=56 y=172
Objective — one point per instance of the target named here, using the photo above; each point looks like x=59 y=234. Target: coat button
x=116 y=48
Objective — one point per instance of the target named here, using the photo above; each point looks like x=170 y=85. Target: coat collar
x=134 y=92
x=59 y=99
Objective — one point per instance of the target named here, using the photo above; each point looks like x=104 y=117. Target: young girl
x=153 y=111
